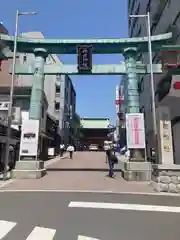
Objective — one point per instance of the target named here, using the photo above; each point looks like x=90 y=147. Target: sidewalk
x=86 y=172
x=83 y=161
x=46 y=164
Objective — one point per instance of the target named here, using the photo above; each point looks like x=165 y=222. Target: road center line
x=119 y=206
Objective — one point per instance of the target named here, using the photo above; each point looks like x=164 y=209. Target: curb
x=94 y=191
x=56 y=159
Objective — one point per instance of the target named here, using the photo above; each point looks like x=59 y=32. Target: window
x=135 y=19
x=57 y=106
x=157 y=58
x=132 y=6
x=175 y=32
x=139 y=31
x=139 y=57
x=174 y=28
x=58 y=77
x=24 y=58
x=158 y=14
x=141 y=85
x=177 y=18
x=58 y=89
x=148 y=8
x=164 y=87
x=42 y=112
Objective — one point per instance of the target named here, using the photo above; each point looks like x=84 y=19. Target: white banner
x=135 y=131
x=29 y=138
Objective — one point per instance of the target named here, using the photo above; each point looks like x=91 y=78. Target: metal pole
x=152 y=85
x=151 y=74
x=11 y=99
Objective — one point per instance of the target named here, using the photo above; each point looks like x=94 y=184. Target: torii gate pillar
x=30 y=167
x=38 y=85
x=136 y=168
x=130 y=55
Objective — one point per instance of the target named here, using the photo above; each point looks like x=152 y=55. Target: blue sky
x=77 y=19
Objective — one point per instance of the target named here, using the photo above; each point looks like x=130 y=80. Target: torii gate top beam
x=100 y=46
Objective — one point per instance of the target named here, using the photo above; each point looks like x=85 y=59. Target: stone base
x=137 y=171
x=166 y=178
x=29 y=170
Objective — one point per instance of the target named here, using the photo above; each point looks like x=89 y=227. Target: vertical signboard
x=29 y=138
x=84 y=58
x=135 y=131
x=166 y=155
x=117 y=99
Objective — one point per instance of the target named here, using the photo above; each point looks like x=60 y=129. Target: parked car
x=93 y=147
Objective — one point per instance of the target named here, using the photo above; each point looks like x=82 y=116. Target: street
x=76 y=200
x=49 y=215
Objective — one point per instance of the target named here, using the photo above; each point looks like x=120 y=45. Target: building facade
x=59 y=92
x=165 y=17
x=67 y=109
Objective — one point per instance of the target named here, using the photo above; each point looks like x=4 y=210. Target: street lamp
x=9 y=119
x=147 y=17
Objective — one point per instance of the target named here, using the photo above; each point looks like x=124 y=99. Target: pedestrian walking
x=62 y=148
x=107 y=148
x=70 y=149
x=111 y=158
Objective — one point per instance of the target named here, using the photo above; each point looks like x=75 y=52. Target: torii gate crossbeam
x=99 y=69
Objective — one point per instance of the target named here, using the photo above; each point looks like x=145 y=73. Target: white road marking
x=119 y=206
x=80 y=237
x=41 y=233
x=6 y=227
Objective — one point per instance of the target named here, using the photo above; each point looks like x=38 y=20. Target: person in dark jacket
x=110 y=159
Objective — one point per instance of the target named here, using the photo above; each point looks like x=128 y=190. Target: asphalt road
x=51 y=210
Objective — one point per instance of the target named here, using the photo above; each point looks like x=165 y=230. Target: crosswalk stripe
x=41 y=233
x=6 y=227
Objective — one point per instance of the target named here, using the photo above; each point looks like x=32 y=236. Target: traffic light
x=84 y=58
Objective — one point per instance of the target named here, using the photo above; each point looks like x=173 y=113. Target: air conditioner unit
x=4 y=106
x=16 y=115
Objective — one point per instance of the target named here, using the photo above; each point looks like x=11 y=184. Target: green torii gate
x=129 y=47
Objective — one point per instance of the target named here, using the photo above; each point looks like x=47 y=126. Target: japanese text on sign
x=135 y=130
x=84 y=58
